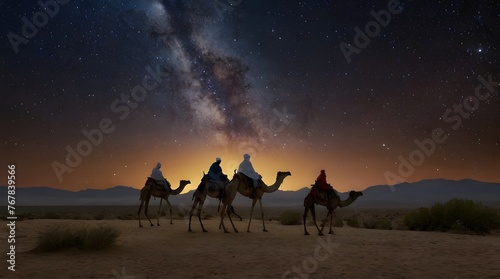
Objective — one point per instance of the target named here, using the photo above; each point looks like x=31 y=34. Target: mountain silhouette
x=421 y=193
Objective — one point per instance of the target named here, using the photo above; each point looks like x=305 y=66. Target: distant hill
x=118 y=195
x=427 y=192
x=422 y=193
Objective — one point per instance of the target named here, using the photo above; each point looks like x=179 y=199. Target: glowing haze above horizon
x=266 y=78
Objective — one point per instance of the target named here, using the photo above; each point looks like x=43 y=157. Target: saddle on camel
x=322 y=189
x=158 y=186
x=212 y=187
x=250 y=181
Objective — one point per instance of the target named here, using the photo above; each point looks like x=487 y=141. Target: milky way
x=211 y=83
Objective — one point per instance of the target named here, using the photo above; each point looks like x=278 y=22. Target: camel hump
x=323 y=194
x=157 y=186
x=248 y=180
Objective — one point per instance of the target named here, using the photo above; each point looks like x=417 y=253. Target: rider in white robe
x=247 y=169
x=157 y=175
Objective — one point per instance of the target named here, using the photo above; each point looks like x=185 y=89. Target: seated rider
x=157 y=175
x=247 y=169
x=322 y=184
x=215 y=172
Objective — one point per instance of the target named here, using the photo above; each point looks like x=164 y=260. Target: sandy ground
x=169 y=251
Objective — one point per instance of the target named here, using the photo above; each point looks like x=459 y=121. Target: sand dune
x=170 y=251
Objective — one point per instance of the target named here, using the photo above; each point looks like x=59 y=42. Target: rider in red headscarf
x=322 y=184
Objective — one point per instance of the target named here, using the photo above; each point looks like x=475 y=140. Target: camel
x=149 y=190
x=331 y=205
x=245 y=188
x=201 y=194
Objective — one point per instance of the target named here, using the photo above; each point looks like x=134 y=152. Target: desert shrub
x=419 y=220
x=384 y=224
x=99 y=238
x=55 y=238
x=437 y=214
x=353 y=222
x=377 y=224
x=457 y=214
x=61 y=237
x=290 y=218
x=369 y=224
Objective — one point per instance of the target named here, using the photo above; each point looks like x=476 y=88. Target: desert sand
x=169 y=251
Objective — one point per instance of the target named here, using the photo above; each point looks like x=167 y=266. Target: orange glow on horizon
x=189 y=162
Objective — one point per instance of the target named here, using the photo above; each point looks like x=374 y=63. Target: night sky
x=301 y=86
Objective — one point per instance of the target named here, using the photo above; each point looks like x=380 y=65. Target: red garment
x=321 y=178
x=322 y=184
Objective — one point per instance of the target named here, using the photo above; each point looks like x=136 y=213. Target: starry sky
x=95 y=93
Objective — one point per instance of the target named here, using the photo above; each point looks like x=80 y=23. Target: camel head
x=185 y=182
x=283 y=174
x=355 y=195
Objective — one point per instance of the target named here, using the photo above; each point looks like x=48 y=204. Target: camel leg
x=234 y=212
x=332 y=216
x=191 y=213
x=313 y=212
x=139 y=213
x=159 y=210
x=262 y=214
x=220 y=223
x=251 y=213
x=199 y=199
x=222 y=213
x=231 y=220
x=200 y=208
x=227 y=208
x=146 y=212
x=304 y=217
x=170 y=209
